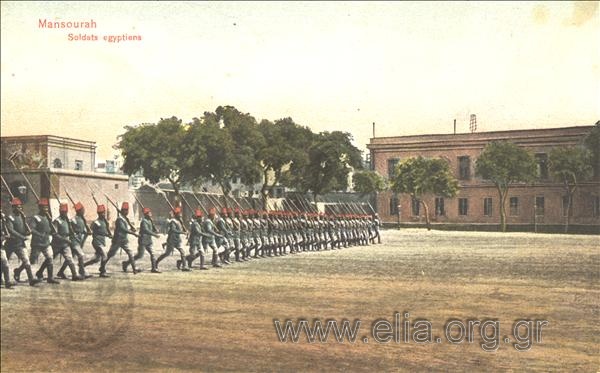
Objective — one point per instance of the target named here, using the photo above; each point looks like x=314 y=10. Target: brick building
x=68 y=163
x=477 y=204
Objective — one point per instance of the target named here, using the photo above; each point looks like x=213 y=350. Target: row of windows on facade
x=464 y=166
x=57 y=163
x=513 y=206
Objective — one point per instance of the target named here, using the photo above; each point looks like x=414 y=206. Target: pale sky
x=410 y=67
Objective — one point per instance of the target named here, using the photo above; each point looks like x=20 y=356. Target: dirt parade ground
x=546 y=287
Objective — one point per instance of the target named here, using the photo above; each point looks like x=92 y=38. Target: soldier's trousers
x=5 y=269
x=21 y=253
x=46 y=251
x=99 y=256
x=140 y=254
x=77 y=252
x=65 y=252
x=196 y=251
x=169 y=251
x=114 y=248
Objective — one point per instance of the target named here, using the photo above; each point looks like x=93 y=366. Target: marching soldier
x=147 y=231
x=40 y=243
x=18 y=231
x=80 y=234
x=210 y=240
x=195 y=240
x=3 y=237
x=100 y=231
x=120 y=239
x=174 y=241
x=223 y=240
x=61 y=241
x=376 y=223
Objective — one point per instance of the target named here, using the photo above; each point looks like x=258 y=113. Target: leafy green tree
x=286 y=145
x=592 y=142
x=331 y=157
x=504 y=164
x=158 y=150
x=570 y=165
x=420 y=176
x=368 y=182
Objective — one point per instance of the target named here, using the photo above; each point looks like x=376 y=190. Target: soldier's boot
x=82 y=272
x=190 y=259
x=202 y=266
x=178 y=264
x=6 y=276
x=160 y=259
x=124 y=265
x=61 y=271
x=237 y=255
x=184 y=266
x=153 y=263
x=74 y=275
x=39 y=274
x=32 y=280
x=214 y=260
x=17 y=272
x=226 y=255
x=51 y=279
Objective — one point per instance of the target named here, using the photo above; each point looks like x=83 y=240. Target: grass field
x=223 y=319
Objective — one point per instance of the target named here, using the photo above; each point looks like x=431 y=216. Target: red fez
x=146 y=210
x=212 y=211
x=16 y=202
x=101 y=208
x=237 y=210
x=198 y=213
x=63 y=207
x=125 y=206
x=224 y=210
x=177 y=210
x=78 y=206
x=43 y=202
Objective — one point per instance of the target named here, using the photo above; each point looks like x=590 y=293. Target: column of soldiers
x=233 y=235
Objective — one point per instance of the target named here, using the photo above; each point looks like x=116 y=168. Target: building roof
x=51 y=139
x=540 y=136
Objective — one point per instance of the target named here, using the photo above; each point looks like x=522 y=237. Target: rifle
x=69 y=223
x=154 y=229
x=119 y=213
x=199 y=202
x=27 y=228
x=103 y=218
x=173 y=209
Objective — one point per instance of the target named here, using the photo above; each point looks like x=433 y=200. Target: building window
x=514 y=206
x=539 y=205
x=57 y=163
x=487 y=206
x=464 y=167
x=463 y=206
x=391 y=163
x=439 y=207
x=78 y=165
x=394 y=206
x=596 y=206
x=541 y=160
x=414 y=205
x=213 y=182
x=565 y=205
x=116 y=186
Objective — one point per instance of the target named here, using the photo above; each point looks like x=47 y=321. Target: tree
x=368 y=182
x=286 y=145
x=592 y=142
x=158 y=150
x=420 y=176
x=570 y=165
x=504 y=163
x=331 y=157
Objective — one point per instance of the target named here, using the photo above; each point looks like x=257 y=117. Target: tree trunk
x=569 y=199
x=502 y=194
x=264 y=191
x=426 y=215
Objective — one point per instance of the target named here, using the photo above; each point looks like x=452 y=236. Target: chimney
x=373 y=129
x=455 y=126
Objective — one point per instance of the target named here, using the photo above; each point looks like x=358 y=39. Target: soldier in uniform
x=236 y=228
x=174 y=241
x=61 y=241
x=120 y=239
x=100 y=231
x=147 y=231
x=195 y=240
x=211 y=235
x=18 y=231
x=41 y=231
x=3 y=237
x=376 y=223
x=80 y=234
x=223 y=240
